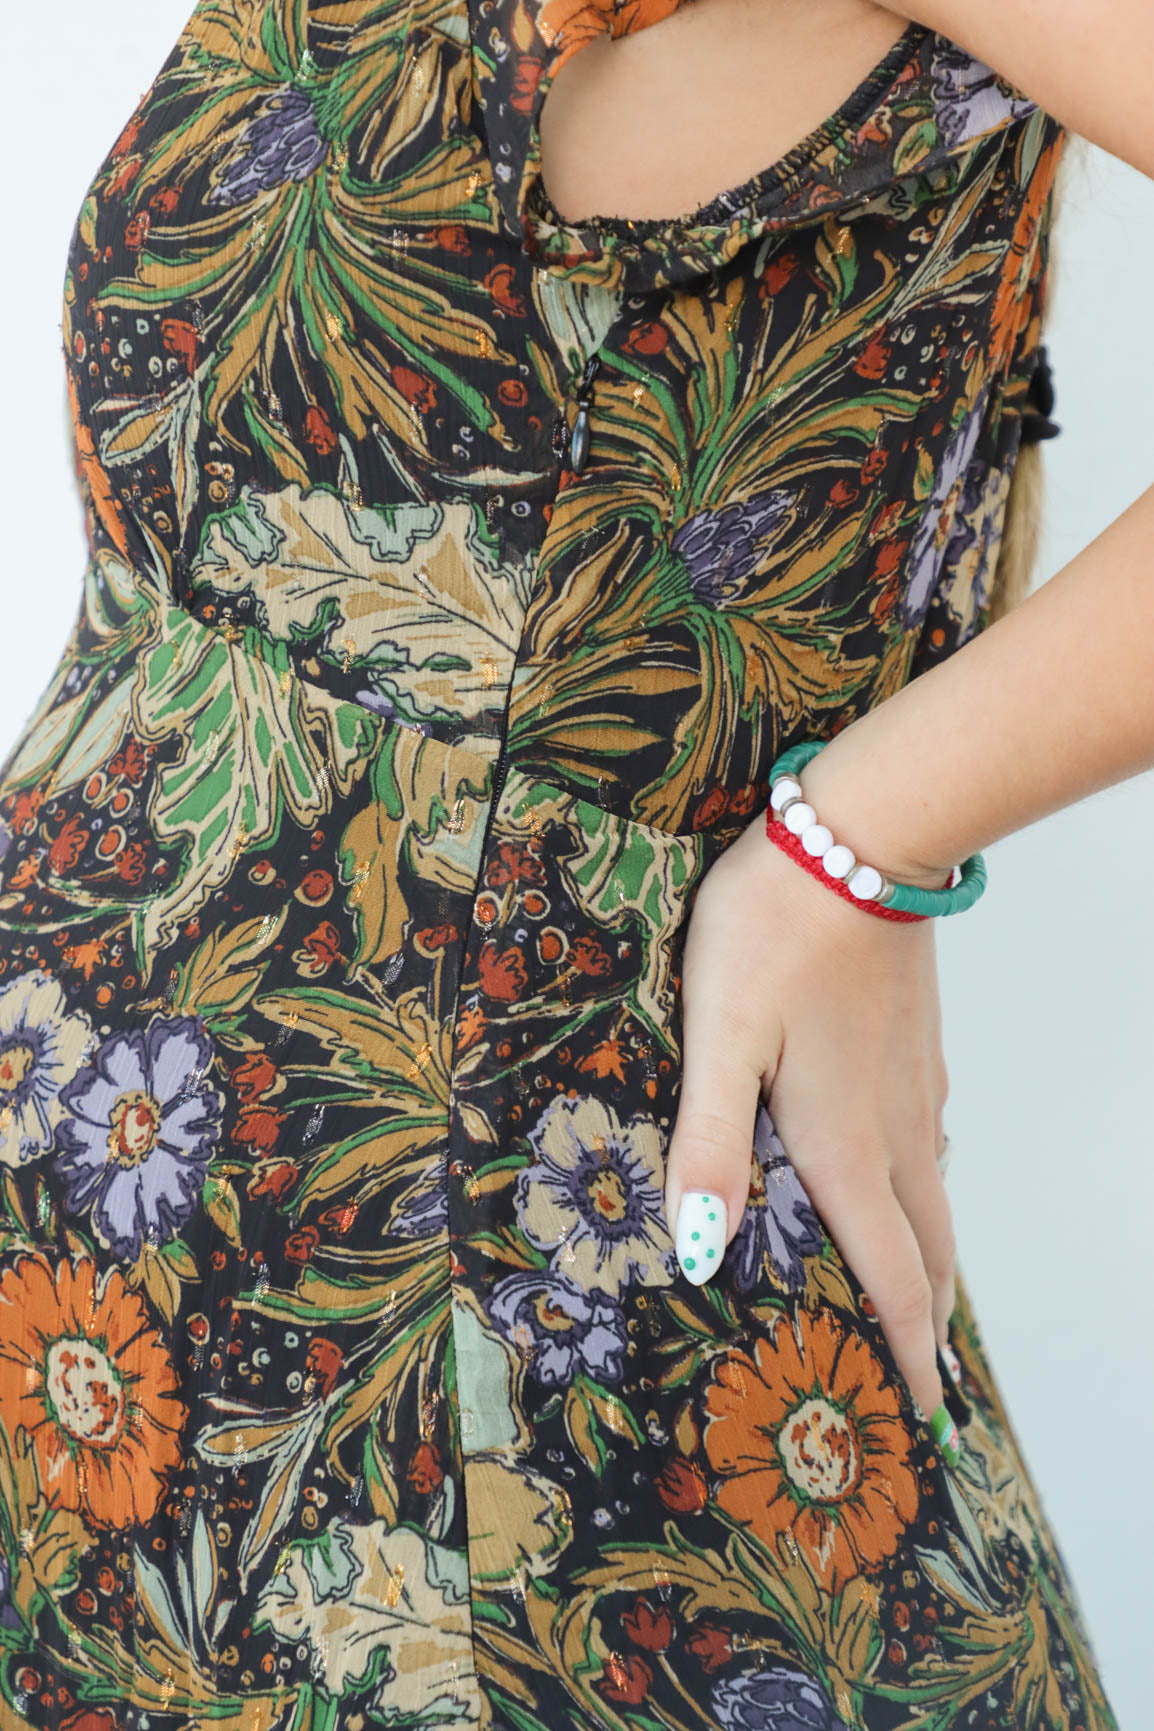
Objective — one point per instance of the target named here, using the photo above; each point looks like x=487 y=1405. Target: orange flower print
x=578 y=21
x=650 y=338
x=90 y=1380
x=123 y=178
x=626 y=1680
x=779 y=272
x=681 y=1487
x=253 y=1077
x=606 y=1059
x=526 y=77
x=319 y=431
x=808 y=1441
x=258 y=1127
x=417 y=389
x=711 y=808
x=426 y=1474
x=324 y=1361
x=501 y=284
x=587 y=957
x=136 y=231
x=648 y=1626
x=164 y=202
x=471 y=1025
x=321 y=948
x=501 y=973
x=874 y=360
x=451 y=237
x=180 y=339
x=128 y=138
x=1010 y=301
x=514 y=865
x=712 y=1645
x=94 y=478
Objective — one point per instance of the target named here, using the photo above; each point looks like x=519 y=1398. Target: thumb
x=710 y=1155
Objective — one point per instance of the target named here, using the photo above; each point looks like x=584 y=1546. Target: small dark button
x=579 y=441
x=1036 y=421
x=579 y=437
x=1041 y=388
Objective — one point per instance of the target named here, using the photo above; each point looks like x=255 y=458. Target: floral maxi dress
x=455 y=576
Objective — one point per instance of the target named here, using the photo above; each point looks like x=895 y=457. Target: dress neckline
x=836 y=126
x=925 y=101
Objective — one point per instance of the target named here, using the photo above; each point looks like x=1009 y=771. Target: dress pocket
x=600 y=912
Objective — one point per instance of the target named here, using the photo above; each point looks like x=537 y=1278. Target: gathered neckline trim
x=927 y=99
x=720 y=210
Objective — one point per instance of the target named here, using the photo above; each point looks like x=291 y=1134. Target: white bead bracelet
x=866 y=882
x=791 y=823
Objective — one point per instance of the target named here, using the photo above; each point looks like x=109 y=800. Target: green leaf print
x=324 y=285
x=71 y=736
x=621 y=867
x=256 y=745
x=428 y=816
x=415 y=597
x=287 y=1441
x=173 y=420
x=222 y=974
x=390 y=1648
x=391 y=1058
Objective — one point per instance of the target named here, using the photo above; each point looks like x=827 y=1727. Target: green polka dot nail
x=700 y=1234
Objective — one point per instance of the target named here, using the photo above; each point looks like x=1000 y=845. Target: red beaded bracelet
x=791 y=844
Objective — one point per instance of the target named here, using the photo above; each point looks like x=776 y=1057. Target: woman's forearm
x=1042 y=708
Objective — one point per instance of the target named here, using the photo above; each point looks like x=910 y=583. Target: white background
x=1048 y=983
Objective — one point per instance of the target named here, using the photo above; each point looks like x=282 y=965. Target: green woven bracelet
x=906 y=898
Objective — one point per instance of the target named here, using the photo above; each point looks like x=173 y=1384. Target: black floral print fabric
x=346 y=1379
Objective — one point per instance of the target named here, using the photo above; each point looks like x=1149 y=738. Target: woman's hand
x=791 y=994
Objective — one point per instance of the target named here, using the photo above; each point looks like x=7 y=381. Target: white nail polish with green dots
x=700 y=1237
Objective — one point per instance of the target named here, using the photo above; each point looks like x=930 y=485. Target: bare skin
x=842 y=1033
x=630 y=128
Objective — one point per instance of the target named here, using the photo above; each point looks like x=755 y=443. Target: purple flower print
x=142 y=1123
x=964 y=534
x=780 y=1699
x=969 y=97
x=973 y=538
x=423 y=1214
x=560 y=1329
x=932 y=536
x=779 y=1219
x=280 y=145
x=9 y=1615
x=595 y=1196
x=721 y=548
x=41 y=1044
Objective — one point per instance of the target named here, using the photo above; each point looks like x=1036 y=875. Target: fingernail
x=700 y=1236
x=945 y=1433
x=952 y=1363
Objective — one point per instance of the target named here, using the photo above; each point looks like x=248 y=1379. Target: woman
x=462 y=565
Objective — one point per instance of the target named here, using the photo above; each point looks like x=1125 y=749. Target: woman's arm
x=1089 y=63
x=1053 y=702
x=792 y=995
x=1057 y=699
